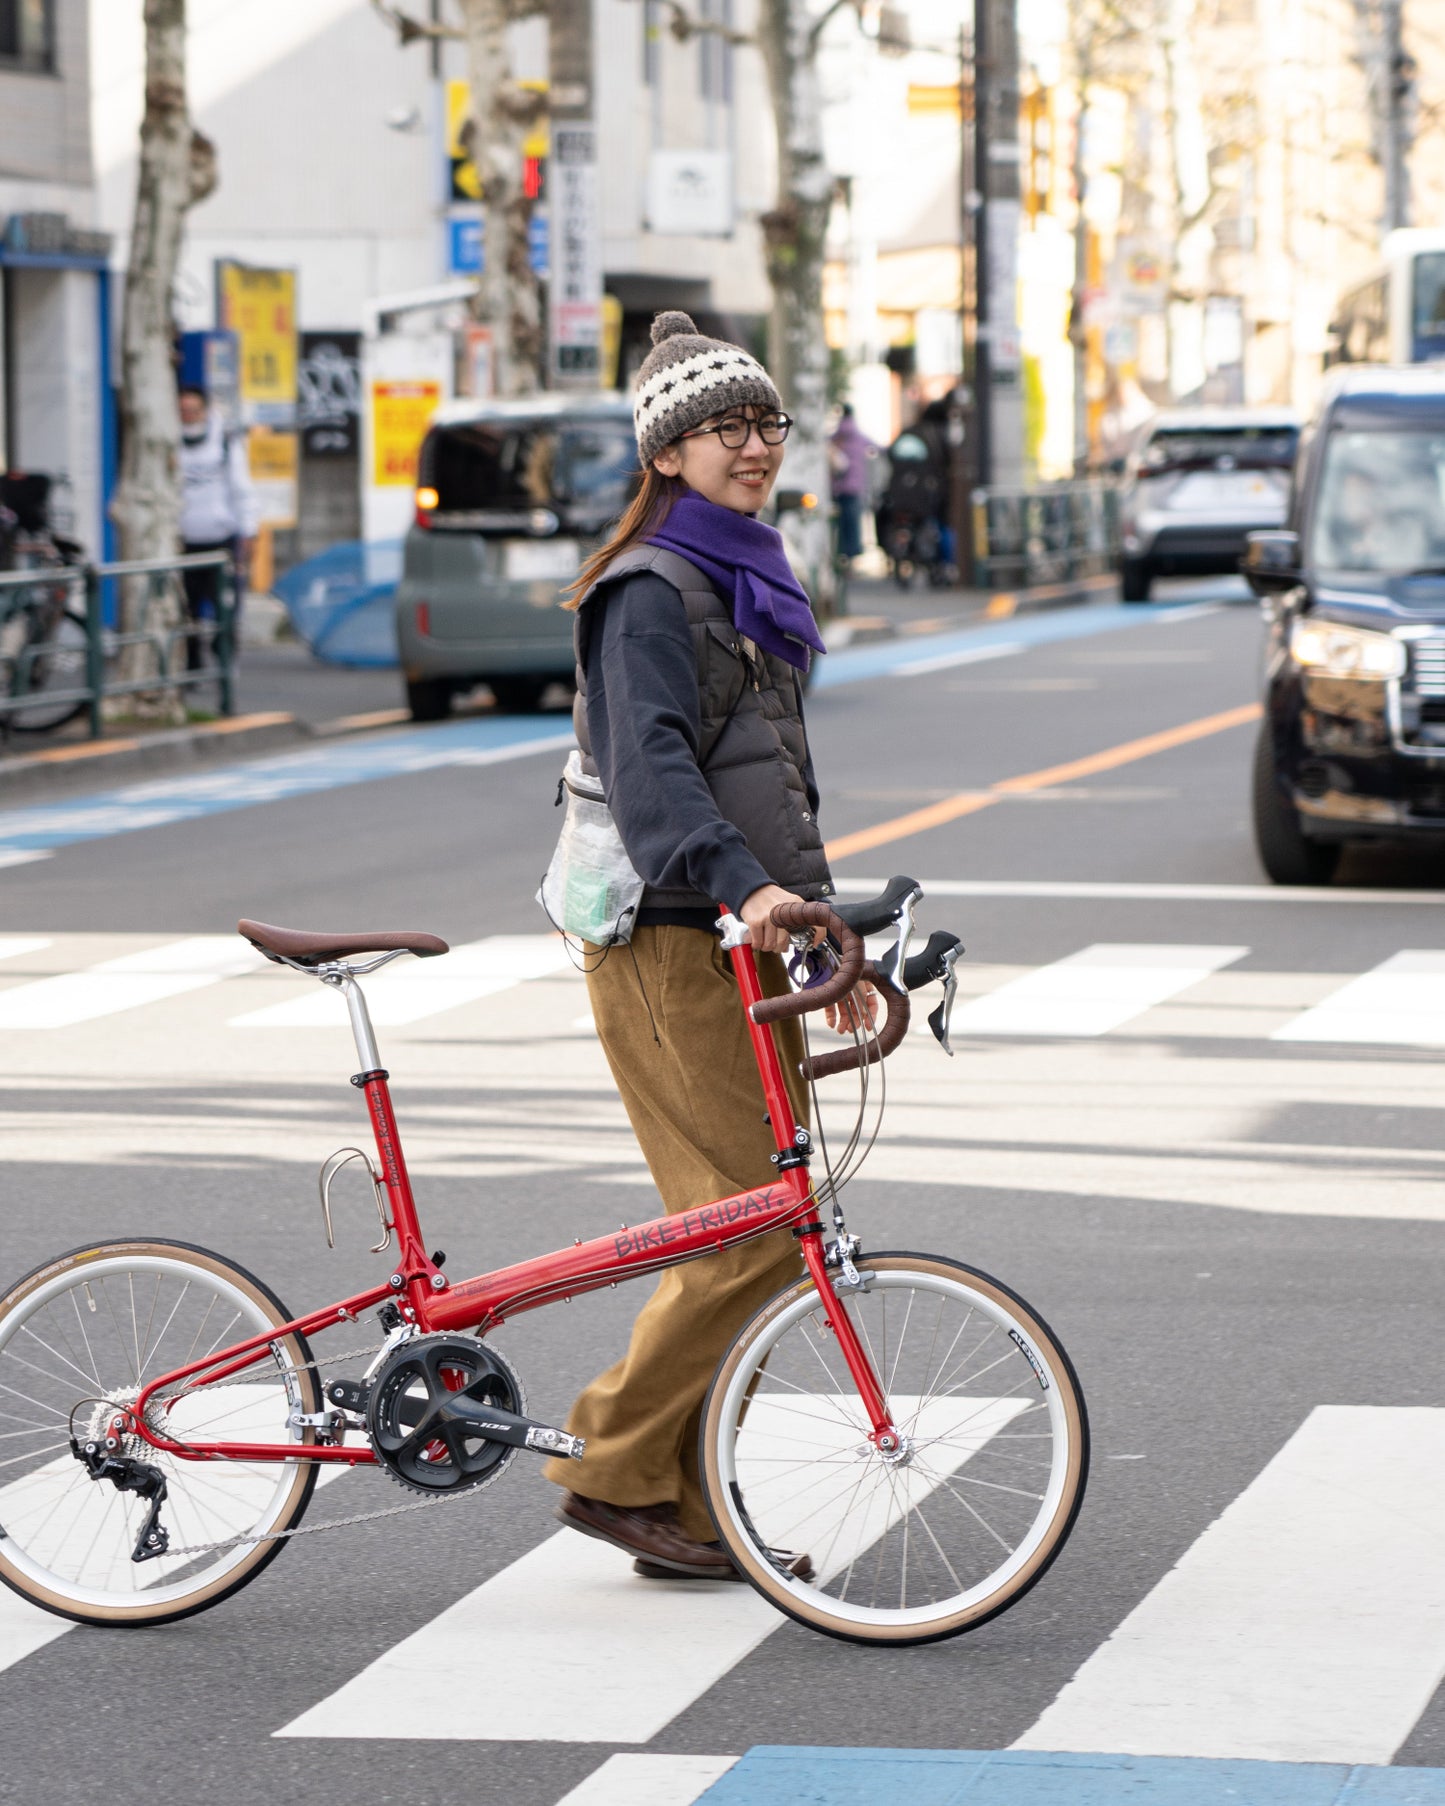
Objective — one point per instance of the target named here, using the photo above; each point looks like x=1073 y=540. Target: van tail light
x=423 y=619
x=427 y=501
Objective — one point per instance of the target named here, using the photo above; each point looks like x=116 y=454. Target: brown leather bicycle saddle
x=317 y=949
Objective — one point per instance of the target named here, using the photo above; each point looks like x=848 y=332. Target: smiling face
x=739 y=478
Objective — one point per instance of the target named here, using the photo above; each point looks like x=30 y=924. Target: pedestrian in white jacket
x=219 y=510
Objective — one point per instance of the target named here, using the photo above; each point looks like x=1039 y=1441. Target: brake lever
x=906 y=930
x=940 y=1017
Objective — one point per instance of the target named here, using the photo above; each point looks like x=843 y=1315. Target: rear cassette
x=418 y=1402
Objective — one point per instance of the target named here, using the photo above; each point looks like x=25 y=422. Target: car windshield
x=1218 y=448
x=586 y=468
x=1381 y=505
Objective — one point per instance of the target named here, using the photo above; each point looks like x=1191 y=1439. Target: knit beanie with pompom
x=687 y=378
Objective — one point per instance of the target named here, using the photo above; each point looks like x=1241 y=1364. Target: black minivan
x=1352 y=745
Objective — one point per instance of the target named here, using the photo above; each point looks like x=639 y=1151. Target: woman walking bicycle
x=692 y=634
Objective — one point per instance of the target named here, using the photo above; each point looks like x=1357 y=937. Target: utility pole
x=966 y=470
x=1397 y=102
x=996 y=158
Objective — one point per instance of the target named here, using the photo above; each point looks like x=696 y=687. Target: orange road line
x=969 y=802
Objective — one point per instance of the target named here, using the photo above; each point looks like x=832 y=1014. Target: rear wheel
x=59 y=664
x=1135 y=579
x=1285 y=852
x=429 y=698
x=78 y=1339
x=949 y=1530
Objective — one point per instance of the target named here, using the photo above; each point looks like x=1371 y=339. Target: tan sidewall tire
x=766 y=1580
x=303 y=1481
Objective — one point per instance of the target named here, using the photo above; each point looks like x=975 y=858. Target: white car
x=1196 y=483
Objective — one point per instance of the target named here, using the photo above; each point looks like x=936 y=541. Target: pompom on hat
x=687 y=378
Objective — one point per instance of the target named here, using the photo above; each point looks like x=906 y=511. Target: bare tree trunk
x=1193 y=191
x=177 y=168
x=508 y=298
x=794 y=237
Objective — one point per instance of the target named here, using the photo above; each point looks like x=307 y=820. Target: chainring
x=410 y=1412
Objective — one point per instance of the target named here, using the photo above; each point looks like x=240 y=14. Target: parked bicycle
x=906 y=1418
x=42 y=623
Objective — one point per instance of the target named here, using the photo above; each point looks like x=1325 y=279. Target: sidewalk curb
x=92 y=764
x=995 y=605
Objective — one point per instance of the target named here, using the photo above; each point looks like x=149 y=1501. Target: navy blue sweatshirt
x=644 y=719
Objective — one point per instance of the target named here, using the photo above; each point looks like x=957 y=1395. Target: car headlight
x=1346 y=651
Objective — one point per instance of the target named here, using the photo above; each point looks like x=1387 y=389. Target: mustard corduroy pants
x=675 y=1036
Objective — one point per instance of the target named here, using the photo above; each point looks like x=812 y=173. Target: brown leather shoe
x=799 y=1567
x=652 y=1532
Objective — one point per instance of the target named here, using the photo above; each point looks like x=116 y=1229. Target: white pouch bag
x=590 y=888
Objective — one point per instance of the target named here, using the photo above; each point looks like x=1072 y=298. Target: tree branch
x=409 y=30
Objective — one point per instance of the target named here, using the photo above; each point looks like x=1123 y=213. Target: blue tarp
x=340 y=602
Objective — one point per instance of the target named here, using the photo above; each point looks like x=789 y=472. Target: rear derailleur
x=126 y=1474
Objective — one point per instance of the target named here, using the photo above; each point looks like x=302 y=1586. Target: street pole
x=996 y=161
x=574 y=283
x=965 y=468
x=1397 y=102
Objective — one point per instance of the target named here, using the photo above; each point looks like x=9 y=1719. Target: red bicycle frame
x=427 y=1299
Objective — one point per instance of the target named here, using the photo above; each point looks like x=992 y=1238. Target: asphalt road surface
x=1195 y=1121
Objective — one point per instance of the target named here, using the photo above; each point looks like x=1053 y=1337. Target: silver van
x=511 y=497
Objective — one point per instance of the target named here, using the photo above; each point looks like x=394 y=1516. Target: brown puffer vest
x=753 y=747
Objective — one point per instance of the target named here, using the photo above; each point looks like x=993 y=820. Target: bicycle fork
x=794 y=1151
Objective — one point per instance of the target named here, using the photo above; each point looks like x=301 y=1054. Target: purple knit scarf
x=744 y=559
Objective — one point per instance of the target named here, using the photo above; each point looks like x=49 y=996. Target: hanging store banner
x=575 y=290
x=259 y=306
x=401 y=411
x=274 y=459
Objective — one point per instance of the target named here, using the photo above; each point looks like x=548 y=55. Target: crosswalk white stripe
x=1307 y=1624
x=648 y=1780
x=1401 y=1002
x=126 y=983
x=1092 y=991
x=418 y=989
x=13 y=945
x=579 y=1650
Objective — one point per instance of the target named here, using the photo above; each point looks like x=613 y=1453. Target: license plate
x=541 y=560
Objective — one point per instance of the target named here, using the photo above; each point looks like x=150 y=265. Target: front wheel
x=948 y=1530
x=1287 y=856
x=78 y=1338
x=55 y=667
x=1135 y=580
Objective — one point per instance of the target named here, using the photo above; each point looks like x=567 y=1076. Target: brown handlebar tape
x=832 y=990
x=849 y=1059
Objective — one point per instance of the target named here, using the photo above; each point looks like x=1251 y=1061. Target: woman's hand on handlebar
x=848 y=1016
x=757 y=912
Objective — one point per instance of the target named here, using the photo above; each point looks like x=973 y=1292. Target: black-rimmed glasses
x=734 y=430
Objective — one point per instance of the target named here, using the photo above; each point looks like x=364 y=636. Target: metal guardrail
x=28 y=636
x=1056 y=531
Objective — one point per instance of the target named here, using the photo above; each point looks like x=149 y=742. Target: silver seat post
x=342 y=977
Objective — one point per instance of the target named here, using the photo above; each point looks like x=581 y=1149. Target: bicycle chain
x=360 y=1517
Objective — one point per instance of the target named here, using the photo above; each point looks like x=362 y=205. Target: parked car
x=511 y=497
x=1352 y=746
x=1197 y=481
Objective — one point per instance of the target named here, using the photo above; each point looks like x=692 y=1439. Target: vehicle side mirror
x=1271 y=561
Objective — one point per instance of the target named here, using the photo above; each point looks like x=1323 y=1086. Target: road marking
x=1191 y=611
x=30 y=858
x=328 y=766
x=126 y=983
x=969 y=802
x=417 y=989
x=641 y=1780
x=1306 y=1624
x=1091 y=991
x=13 y=945
x=1148 y=893
x=944 y=661
x=1400 y=1003
x=579 y=1649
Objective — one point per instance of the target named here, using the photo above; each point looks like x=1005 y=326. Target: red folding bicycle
x=907 y=1419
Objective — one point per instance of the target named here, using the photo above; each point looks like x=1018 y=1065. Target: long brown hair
x=646 y=512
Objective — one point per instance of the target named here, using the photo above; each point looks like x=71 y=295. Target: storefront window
x=27 y=35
